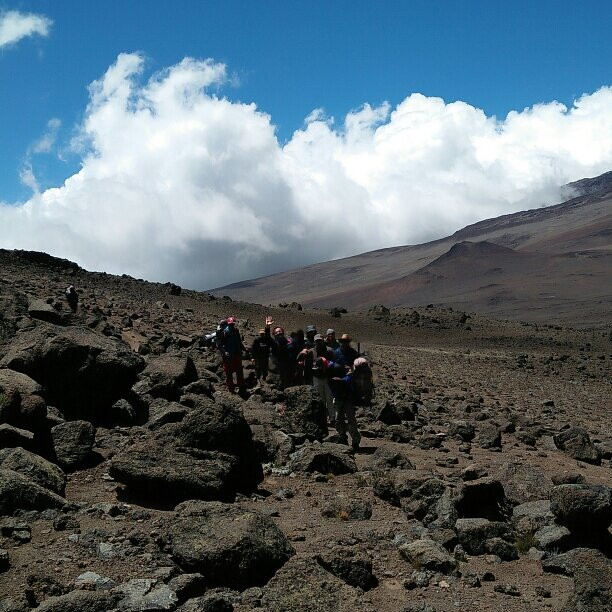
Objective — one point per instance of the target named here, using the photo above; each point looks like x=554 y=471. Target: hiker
x=283 y=352
x=311 y=332
x=260 y=353
x=321 y=384
x=340 y=380
x=345 y=354
x=72 y=297
x=230 y=346
x=362 y=379
x=330 y=339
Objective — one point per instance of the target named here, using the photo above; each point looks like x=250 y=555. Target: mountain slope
x=563 y=251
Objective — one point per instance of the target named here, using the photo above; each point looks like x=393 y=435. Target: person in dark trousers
x=283 y=353
x=260 y=353
x=345 y=354
x=230 y=346
x=72 y=297
x=340 y=379
x=321 y=384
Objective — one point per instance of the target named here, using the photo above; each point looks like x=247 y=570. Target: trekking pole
x=359 y=348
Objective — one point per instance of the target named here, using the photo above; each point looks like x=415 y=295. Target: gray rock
x=187 y=586
x=552 y=537
x=429 y=555
x=327 y=458
x=35 y=468
x=523 y=483
x=305 y=413
x=143 y=594
x=232 y=547
x=576 y=442
x=385 y=458
x=12 y=437
x=80 y=601
x=474 y=532
x=165 y=375
x=273 y=445
x=353 y=568
x=211 y=602
x=482 y=498
x=302 y=585
x=462 y=429
x=21 y=404
x=533 y=515
x=72 y=443
x=39 y=309
x=83 y=373
x=161 y=412
x=592 y=582
x=582 y=507
x=347 y=509
x=19 y=492
x=489 y=436
x=502 y=549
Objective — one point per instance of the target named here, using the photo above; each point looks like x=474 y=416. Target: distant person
x=230 y=346
x=311 y=332
x=345 y=354
x=330 y=339
x=340 y=379
x=260 y=353
x=72 y=297
x=321 y=384
x=282 y=351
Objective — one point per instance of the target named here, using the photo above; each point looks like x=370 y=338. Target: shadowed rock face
x=82 y=372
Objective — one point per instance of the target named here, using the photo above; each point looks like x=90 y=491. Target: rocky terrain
x=130 y=479
x=547 y=264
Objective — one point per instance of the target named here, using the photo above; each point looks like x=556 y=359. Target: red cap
x=231 y=320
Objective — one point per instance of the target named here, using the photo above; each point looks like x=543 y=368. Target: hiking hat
x=329 y=331
x=345 y=338
x=359 y=362
x=231 y=321
x=318 y=337
x=311 y=328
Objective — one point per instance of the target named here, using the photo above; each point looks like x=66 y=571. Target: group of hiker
x=333 y=367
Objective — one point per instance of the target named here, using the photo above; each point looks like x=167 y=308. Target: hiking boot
x=355 y=447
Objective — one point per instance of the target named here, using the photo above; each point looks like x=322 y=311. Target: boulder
x=35 y=468
x=80 y=601
x=21 y=403
x=462 y=430
x=427 y=554
x=347 y=509
x=393 y=414
x=145 y=594
x=489 y=436
x=231 y=546
x=165 y=375
x=385 y=458
x=582 y=507
x=523 y=483
x=162 y=411
x=211 y=602
x=209 y=455
x=474 y=532
x=72 y=442
x=302 y=585
x=576 y=442
x=353 y=568
x=39 y=309
x=82 y=372
x=12 y=437
x=552 y=537
x=305 y=413
x=19 y=492
x=532 y=516
x=482 y=498
x=273 y=445
x=327 y=458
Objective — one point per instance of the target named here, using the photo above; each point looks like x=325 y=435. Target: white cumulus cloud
x=15 y=25
x=178 y=183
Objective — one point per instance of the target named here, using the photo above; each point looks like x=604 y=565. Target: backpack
x=364 y=385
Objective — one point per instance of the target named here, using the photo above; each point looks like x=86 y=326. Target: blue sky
x=290 y=58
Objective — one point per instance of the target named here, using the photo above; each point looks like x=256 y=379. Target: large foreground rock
x=302 y=585
x=229 y=545
x=327 y=458
x=35 y=468
x=581 y=507
x=83 y=373
x=166 y=374
x=429 y=555
x=209 y=455
x=19 y=492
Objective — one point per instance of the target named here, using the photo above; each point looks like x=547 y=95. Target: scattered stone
x=348 y=509
x=72 y=443
x=19 y=492
x=354 y=569
x=326 y=458
x=489 y=436
x=35 y=468
x=507 y=589
x=473 y=533
x=576 y=442
x=582 y=507
x=429 y=555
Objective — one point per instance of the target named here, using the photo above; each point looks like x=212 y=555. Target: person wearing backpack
x=230 y=346
x=340 y=380
x=362 y=379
